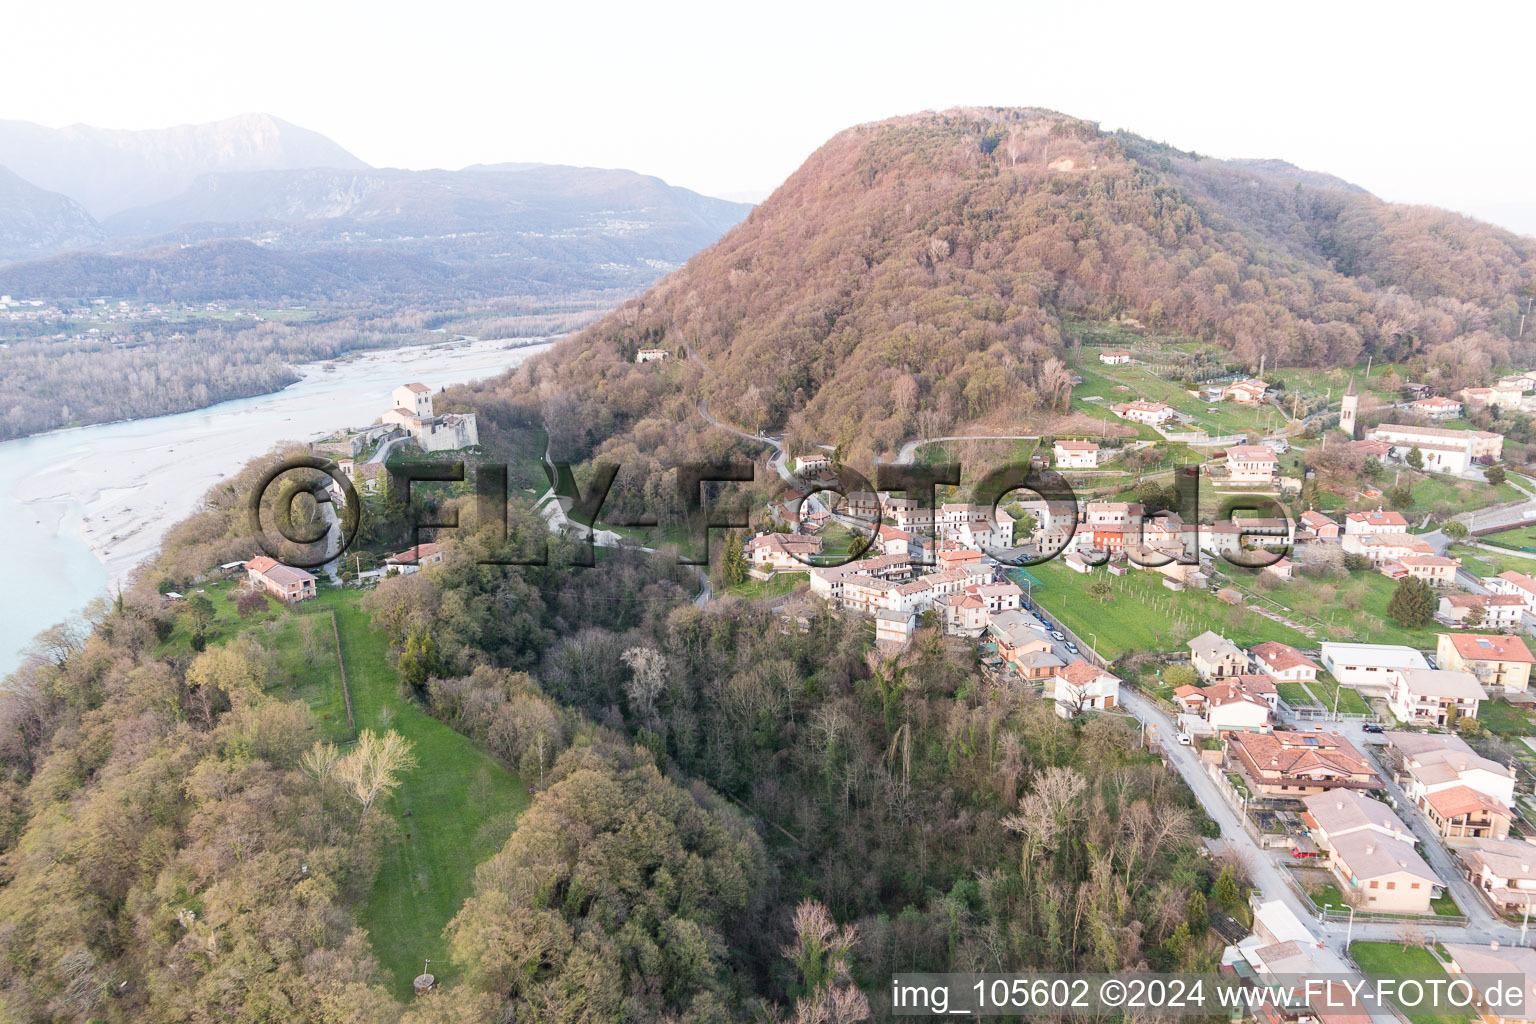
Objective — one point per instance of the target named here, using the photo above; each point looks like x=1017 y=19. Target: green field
x=1502 y=717
x=451 y=816
x=454 y=811
x=1142 y=614
x=1114 y=384
x=777 y=585
x=1352 y=609
x=1391 y=960
x=1335 y=697
x=1483 y=562
x=1521 y=537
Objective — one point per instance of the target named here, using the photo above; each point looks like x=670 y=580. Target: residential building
x=1461 y=813
x=1437 y=408
x=1151 y=413
x=1321 y=526
x=1080 y=687
x=1388 y=874
x=1245 y=392
x=412 y=559
x=1377 y=522
x=1190 y=698
x=962 y=614
x=1071 y=454
x=1342 y=812
x=1021 y=642
x=1230 y=708
x=283 y=582
x=1114 y=357
x=1369 y=665
x=894 y=627
x=997 y=597
x=1503 y=870
x=892 y=540
x=651 y=355
x=1215 y=657
x=1251 y=464
x=1495 y=611
x=1381 y=548
x=1480 y=962
x=1434 y=697
x=792 y=551
x=1284 y=662
x=1297 y=764
x=816 y=462
x=1436 y=570
x=1500 y=662
x=1436 y=762
x=1514 y=584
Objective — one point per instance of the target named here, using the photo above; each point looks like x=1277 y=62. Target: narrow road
x=909 y=450
x=779 y=458
x=1266 y=873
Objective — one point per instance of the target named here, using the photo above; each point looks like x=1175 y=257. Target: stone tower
x=1349 y=408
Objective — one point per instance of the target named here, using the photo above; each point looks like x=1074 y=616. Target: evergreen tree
x=734 y=561
x=1227 y=892
x=1415 y=457
x=1413 y=603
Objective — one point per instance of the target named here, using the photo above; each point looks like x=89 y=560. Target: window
x=1373 y=885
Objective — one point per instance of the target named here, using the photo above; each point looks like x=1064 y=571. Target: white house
x=1072 y=454
x=1284 y=662
x=1231 y=708
x=1083 y=687
x=1150 y=413
x=1435 y=697
x=1434 y=762
x=1504 y=871
x=1369 y=665
x=1378 y=521
x=782 y=550
x=1245 y=392
x=1514 y=584
x=894 y=627
x=1114 y=357
x=651 y=355
x=1498 y=611
x=1437 y=408
x=1251 y=464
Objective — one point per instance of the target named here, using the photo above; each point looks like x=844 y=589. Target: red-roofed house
x=1284 y=662
x=283 y=582
x=1251 y=464
x=1499 y=662
x=1082 y=687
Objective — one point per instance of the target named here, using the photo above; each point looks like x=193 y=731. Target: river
x=81 y=508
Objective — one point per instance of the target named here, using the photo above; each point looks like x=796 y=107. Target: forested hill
x=914 y=275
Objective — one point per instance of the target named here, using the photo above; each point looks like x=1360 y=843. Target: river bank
x=82 y=508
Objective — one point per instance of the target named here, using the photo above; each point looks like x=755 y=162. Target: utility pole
x=1368 y=360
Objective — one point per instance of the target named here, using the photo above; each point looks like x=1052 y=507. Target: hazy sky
x=720 y=97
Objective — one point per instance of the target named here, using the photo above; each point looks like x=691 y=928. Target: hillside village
x=1389 y=782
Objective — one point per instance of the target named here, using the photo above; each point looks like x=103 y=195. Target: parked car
x=1185 y=740
x=1057 y=635
x=1071 y=646
x=1372 y=727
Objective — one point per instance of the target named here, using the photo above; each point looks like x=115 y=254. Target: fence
x=305 y=608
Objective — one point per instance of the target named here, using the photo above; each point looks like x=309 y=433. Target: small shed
x=423 y=984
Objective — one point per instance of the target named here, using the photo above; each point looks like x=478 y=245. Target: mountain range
x=257 y=208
